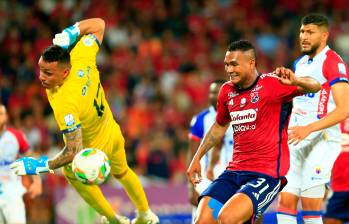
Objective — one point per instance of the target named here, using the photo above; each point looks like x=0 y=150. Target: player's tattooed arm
x=72 y=147
x=213 y=137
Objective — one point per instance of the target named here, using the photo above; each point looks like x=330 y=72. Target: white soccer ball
x=91 y=166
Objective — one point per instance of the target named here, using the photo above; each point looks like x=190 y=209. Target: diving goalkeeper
x=70 y=76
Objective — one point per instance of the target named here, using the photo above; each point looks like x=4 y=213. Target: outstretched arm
x=66 y=155
x=304 y=84
x=69 y=35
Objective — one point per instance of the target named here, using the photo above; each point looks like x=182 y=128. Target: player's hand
x=35 y=189
x=194 y=172
x=286 y=76
x=30 y=166
x=67 y=37
x=297 y=133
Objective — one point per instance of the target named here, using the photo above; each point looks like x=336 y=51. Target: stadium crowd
x=156 y=63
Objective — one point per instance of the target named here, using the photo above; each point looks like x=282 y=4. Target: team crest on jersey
x=318 y=170
x=69 y=120
x=341 y=69
x=80 y=73
x=254 y=97
x=243 y=102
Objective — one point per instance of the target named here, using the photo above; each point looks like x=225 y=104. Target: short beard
x=312 y=50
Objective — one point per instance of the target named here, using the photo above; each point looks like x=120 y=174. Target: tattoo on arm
x=66 y=155
x=212 y=138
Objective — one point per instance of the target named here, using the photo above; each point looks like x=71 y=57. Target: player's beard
x=312 y=49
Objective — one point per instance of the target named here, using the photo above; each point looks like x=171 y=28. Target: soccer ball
x=91 y=166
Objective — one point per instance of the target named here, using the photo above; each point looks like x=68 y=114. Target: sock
x=91 y=194
x=134 y=190
x=312 y=217
x=286 y=216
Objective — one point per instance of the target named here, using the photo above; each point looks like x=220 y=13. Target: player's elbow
x=100 y=23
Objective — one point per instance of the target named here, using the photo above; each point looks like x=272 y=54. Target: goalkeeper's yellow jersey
x=80 y=101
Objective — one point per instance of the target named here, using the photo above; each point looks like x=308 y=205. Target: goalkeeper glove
x=67 y=37
x=30 y=166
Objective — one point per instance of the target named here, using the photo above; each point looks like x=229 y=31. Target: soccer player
x=69 y=73
x=13 y=143
x=221 y=154
x=314 y=124
x=337 y=209
x=258 y=106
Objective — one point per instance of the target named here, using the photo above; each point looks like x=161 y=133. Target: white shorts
x=12 y=210
x=311 y=164
x=202 y=185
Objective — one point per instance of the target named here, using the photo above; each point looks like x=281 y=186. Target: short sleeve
x=21 y=139
x=223 y=116
x=334 y=69
x=86 y=48
x=283 y=93
x=196 y=128
x=67 y=117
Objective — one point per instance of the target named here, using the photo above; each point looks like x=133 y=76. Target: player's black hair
x=56 y=53
x=316 y=19
x=242 y=45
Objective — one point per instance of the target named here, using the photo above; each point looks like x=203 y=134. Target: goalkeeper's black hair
x=56 y=53
x=316 y=19
x=244 y=46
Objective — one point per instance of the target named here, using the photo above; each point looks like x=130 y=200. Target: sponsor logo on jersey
x=244 y=127
x=243 y=116
x=231 y=102
x=322 y=106
x=254 y=97
x=69 y=120
x=84 y=90
x=341 y=68
x=243 y=102
x=232 y=94
x=257 y=88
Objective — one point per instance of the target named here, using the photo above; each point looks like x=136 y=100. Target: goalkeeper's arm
x=69 y=35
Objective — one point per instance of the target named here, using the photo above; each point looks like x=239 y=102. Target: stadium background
x=156 y=62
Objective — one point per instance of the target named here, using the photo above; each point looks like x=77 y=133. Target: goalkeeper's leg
x=128 y=179
x=91 y=194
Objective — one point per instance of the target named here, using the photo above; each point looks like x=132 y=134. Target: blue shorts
x=338 y=206
x=261 y=188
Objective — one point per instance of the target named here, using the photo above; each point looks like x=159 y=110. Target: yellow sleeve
x=67 y=116
x=85 y=49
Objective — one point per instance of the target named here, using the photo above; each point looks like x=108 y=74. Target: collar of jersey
x=250 y=87
x=322 y=52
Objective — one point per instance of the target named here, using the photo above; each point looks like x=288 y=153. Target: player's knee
x=201 y=220
x=225 y=217
x=121 y=174
x=287 y=201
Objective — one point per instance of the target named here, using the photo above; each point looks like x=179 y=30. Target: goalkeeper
x=70 y=76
